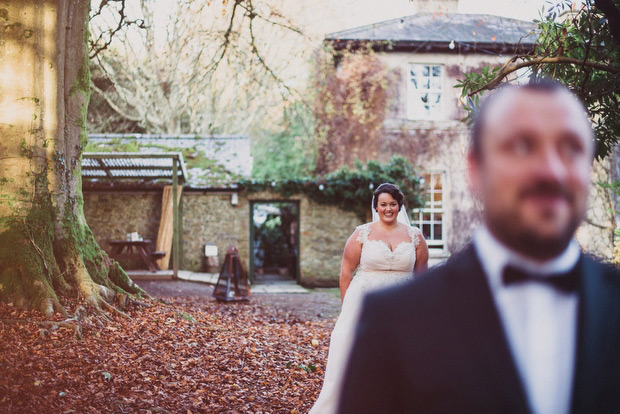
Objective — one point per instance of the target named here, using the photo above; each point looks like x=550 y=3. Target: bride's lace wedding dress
x=379 y=267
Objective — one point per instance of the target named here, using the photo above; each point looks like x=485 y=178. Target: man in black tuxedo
x=520 y=321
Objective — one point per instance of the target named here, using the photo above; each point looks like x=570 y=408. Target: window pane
x=430 y=218
x=437 y=229
x=424 y=78
x=437 y=181
x=426 y=231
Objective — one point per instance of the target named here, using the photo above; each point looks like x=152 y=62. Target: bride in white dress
x=385 y=252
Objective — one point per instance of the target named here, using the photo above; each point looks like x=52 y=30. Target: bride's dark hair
x=392 y=190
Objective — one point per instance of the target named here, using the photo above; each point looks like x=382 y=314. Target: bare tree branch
x=112 y=103
x=95 y=47
x=196 y=76
x=509 y=68
x=253 y=15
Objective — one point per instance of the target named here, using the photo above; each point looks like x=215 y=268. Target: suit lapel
x=599 y=318
x=482 y=331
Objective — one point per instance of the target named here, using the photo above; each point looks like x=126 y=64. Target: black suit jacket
x=437 y=346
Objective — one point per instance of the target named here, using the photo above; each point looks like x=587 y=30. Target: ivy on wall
x=349 y=189
x=354 y=89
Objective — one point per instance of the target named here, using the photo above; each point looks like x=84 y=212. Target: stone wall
x=111 y=215
x=596 y=234
x=324 y=232
x=210 y=217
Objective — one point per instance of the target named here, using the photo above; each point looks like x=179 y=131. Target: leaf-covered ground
x=187 y=355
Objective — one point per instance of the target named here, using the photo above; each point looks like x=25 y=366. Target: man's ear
x=474 y=174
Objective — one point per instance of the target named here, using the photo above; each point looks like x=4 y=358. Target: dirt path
x=318 y=304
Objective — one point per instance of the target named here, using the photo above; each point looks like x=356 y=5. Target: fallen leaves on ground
x=186 y=356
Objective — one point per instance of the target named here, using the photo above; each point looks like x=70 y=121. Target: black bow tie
x=566 y=282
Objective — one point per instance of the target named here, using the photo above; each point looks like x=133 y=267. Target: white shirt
x=540 y=322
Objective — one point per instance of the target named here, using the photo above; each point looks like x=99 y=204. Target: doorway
x=274 y=241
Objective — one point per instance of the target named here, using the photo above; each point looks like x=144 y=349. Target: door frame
x=297 y=235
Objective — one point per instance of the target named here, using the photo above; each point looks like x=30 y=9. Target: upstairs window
x=424 y=91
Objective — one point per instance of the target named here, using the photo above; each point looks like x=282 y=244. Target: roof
x=212 y=161
x=470 y=30
x=119 y=165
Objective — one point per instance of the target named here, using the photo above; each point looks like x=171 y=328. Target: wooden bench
x=134 y=248
x=158 y=255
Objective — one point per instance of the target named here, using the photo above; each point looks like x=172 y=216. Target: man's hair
x=541 y=85
x=392 y=190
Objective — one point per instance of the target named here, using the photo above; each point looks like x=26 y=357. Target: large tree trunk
x=47 y=251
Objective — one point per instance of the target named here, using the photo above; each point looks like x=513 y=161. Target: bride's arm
x=350 y=261
x=421 y=256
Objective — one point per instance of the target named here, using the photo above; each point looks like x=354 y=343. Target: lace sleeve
x=415 y=234
x=364 y=231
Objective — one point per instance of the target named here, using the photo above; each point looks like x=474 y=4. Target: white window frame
x=425 y=218
x=422 y=83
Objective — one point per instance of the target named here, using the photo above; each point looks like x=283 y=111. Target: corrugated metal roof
x=131 y=165
x=212 y=161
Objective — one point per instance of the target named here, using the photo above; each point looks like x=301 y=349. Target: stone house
x=429 y=52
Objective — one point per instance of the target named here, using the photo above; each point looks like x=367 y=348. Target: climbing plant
x=349 y=188
x=353 y=93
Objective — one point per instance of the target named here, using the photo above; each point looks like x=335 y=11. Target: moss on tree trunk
x=47 y=251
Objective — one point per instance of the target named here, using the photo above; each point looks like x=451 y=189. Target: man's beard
x=530 y=243
x=527 y=240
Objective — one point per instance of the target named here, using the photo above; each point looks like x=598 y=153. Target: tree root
x=112 y=309
x=49 y=306
x=124 y=301
x=53 y=326
x=137 y=302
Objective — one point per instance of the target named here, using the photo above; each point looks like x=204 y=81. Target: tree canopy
x=578 y=46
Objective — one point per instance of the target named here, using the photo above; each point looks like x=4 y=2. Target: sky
x=320 y=17
x=521 y=9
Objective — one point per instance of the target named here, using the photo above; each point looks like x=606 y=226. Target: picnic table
x=131 y=249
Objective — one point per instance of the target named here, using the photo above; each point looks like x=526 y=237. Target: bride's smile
x=387 y=207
